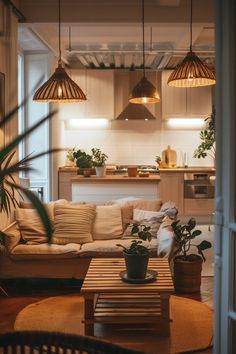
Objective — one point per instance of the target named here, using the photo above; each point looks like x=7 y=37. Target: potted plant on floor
x=99 y=159
x=84 y=162
x=137 y=255
x=187 y=267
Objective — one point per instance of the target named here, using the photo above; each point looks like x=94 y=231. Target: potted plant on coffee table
x=99 y=159
x=187 y=267
x=137 y=255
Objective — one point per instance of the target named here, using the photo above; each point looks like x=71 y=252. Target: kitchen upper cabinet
x=98 y=85
x=100 y=94
x=185 y=102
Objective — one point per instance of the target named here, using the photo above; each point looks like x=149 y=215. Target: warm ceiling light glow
x=186 y=123
x=144 y=91
x=86 y=123
x=60 y=87
x=192 y=72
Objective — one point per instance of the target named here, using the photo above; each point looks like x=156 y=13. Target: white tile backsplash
x=133 y=143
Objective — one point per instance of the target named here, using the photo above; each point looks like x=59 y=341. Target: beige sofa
x=69 y=258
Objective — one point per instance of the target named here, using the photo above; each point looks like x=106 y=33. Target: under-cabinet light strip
x=186 y=122
x=86 y=123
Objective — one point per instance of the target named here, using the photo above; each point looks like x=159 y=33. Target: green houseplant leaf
x=183 y=235
x=208 y=138
x=10 y=191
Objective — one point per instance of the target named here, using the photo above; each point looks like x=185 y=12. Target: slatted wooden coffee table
x=108 y=299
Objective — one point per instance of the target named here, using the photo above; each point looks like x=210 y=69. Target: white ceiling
x=116 y=43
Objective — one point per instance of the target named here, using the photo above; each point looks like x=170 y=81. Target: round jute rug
x=191 y=325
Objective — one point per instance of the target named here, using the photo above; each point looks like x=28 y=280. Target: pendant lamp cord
x=59 y=27
x=143 y=38
x=191 y=24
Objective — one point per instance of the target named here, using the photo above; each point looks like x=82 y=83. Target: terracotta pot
x=87 y=172
x=132 y=171
x=187 y=274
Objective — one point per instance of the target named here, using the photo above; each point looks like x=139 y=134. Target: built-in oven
x=198 y=186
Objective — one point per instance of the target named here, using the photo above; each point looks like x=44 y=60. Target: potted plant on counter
x=137 y=255
x=84 y=162
x=208 y=138
x=187 y=267
x=98 y=160
x=70 y=159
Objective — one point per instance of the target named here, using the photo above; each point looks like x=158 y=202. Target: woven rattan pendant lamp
x=59 y=87
x=192 y=72
x=144 y=91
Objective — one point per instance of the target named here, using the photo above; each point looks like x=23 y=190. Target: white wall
x=132 y=142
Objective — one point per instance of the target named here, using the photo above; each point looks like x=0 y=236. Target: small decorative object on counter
x=169 y=158
x=187 y=267
x=143 y=174
x=98 y=160
x=132 y=171
x=137 y=255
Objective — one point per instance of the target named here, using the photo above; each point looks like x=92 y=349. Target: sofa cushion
x=108 y=223
x=49 y=206
x=140 y=215
x=169 y=208
x=143 y=204
x=45 y=251
x=153 y=223
x=73 y=223
x=30 y=225
x=126 y=214
x=165 y=237
x=147 y=204
x=109 y=248
x=12 y=237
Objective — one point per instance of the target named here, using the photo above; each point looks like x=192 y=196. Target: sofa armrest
x=165 y=237
x=11 y=236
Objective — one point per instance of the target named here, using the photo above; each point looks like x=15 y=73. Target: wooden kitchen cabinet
x=185 y=102
x=193 y=207
x=64 y=184
x=172 y=189
x=98 y=85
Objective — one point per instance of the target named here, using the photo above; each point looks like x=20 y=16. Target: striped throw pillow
x=73 y=223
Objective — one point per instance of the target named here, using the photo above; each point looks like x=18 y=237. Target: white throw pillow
x=108 y=223
x=140 y=215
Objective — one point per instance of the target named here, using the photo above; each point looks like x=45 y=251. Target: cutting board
x=169 y=158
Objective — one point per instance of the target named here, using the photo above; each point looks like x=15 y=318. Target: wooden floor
x=20 y=297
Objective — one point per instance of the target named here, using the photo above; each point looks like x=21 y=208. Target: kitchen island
x=114 y=187
x=168 y=184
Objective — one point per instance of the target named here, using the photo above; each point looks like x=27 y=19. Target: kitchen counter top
x=176 y=169
x=112 y=178
x=68 y=168
x=188 y=169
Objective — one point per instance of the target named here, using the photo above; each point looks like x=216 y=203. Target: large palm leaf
x=9 y=189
